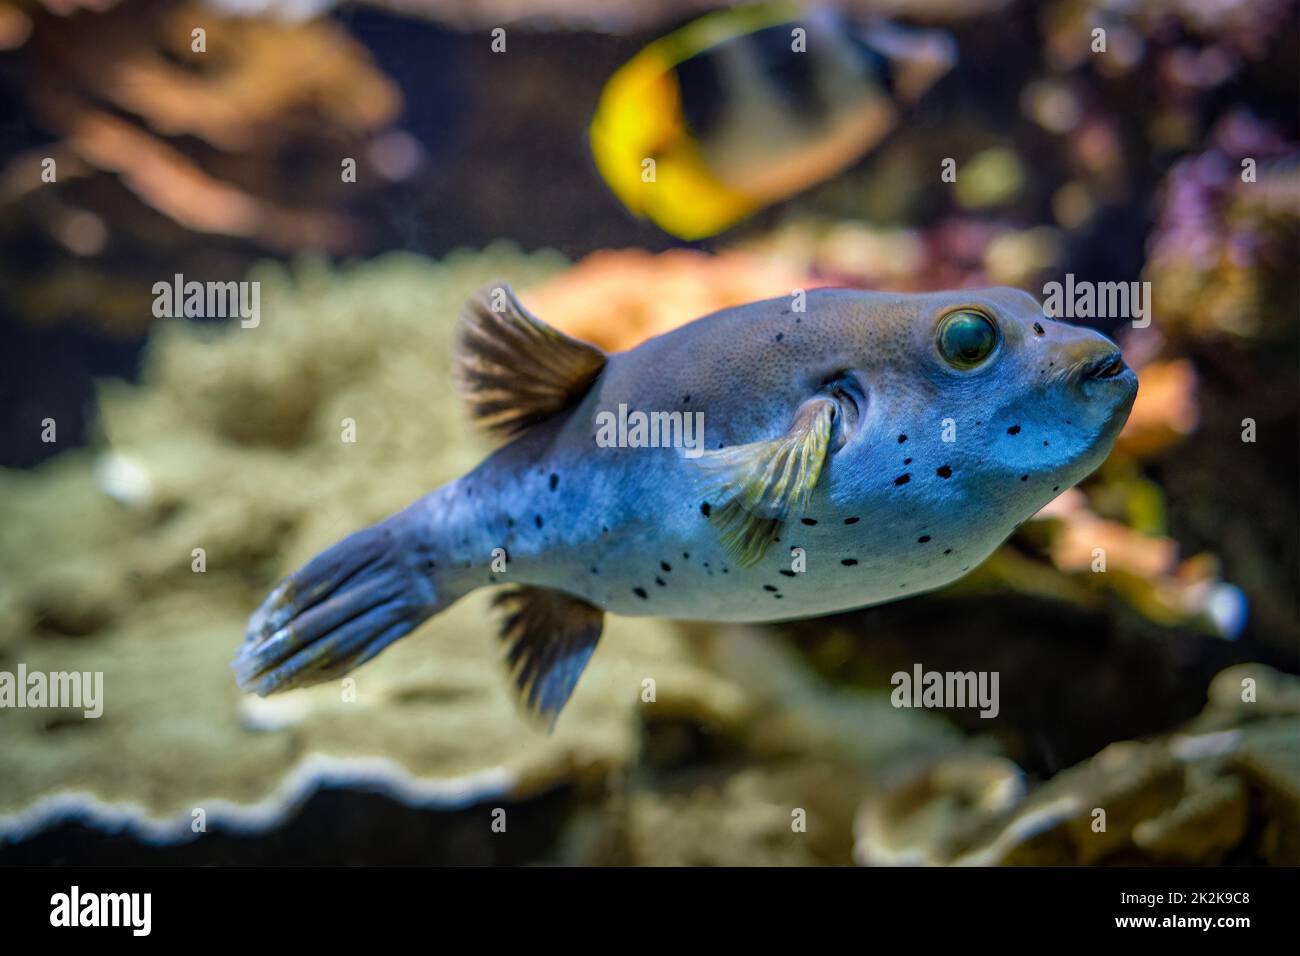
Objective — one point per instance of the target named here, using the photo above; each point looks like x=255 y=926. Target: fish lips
x=1110 y=384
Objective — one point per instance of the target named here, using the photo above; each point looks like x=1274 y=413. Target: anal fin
x=549 y=636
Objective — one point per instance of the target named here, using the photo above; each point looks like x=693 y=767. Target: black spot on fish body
x=944 y=471
x=640 y=592
x=787 y=572
x=660 y=582
x=778 y=596
x=923 y=539
x=852 y=520
x=686 y=400
x=705 y=509
x=537 y=520
x=686 y=556
x=1013 y=430
x=555 y=481
x=848 y=562
x=907 y=461
x=1038 y=329
x=901 y=439
x=594 y=571
x=1024 y=477
x=808 y=521
x=947 y=550
x=768 y=587
x=780 y=336
x=1056 y=487
x=902 y=479
x=665 y=565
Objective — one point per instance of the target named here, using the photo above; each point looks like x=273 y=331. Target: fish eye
x=966 y=338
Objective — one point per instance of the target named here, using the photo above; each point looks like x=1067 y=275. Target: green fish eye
x=967 y=338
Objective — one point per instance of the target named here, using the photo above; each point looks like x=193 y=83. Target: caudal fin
x=335 y=613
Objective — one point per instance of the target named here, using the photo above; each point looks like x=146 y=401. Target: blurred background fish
x=744 y=108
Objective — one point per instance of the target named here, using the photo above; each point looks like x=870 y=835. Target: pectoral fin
x=761 y=483
x=549 y=637
x=513 y=369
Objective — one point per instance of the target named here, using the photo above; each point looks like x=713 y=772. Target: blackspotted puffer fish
x=746 y=107
x=860 y=449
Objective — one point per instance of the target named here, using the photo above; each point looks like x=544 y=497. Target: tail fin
x=336 y=612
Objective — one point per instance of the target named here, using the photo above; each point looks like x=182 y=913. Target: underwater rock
x=935 y=803
x=1221 y=788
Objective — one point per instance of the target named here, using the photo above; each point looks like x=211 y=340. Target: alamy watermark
x=75 y=908
x=946 y=689
x=208 y=300
x=638 y=429
x=1098 y=300
x=79 y=690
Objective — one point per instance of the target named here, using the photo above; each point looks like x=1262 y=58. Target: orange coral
x=617 y=299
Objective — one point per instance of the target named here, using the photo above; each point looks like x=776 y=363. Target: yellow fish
x=744 y=108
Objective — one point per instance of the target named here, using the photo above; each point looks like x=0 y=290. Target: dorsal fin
x=549 y=637
x=514 y=370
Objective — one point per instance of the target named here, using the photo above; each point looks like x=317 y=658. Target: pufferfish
x=858 y=447
x=746 y=107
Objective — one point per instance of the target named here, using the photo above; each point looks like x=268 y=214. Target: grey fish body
x=617 y=516
x=922 y=469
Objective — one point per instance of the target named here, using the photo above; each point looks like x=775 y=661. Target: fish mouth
x=1106 y=366
x=1108 y=377
x=1115 y=386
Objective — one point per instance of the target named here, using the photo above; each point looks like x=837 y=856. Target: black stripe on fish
x=793 y=75
x=702 y=97
x=790 y=75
